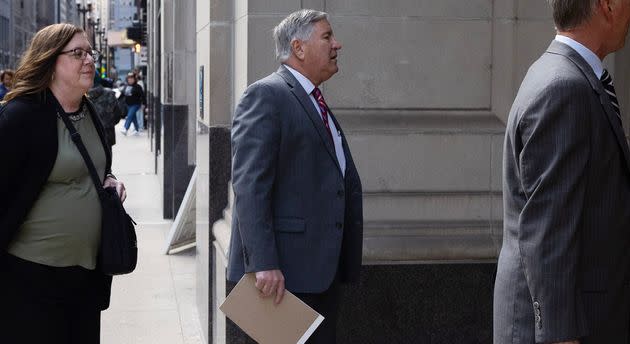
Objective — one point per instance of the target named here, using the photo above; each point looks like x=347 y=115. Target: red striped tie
x=323 y=107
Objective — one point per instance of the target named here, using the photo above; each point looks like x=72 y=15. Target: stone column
x=215 y=42
x=179 y=58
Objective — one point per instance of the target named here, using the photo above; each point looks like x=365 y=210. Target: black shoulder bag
x=118 y=253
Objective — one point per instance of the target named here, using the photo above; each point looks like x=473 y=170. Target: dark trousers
x=326 y=304
x=43 y=304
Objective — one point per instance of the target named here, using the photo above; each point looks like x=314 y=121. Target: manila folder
x=290 y=322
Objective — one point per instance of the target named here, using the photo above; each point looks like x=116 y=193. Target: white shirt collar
x=307 y=85
x=586 y=53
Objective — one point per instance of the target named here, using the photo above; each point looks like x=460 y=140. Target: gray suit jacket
x=293 y=208
x=563 y=268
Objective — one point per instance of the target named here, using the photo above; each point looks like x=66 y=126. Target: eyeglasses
x=81 y=54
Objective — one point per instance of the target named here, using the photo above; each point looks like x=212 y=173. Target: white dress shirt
x=308 y=86
x=586 y=54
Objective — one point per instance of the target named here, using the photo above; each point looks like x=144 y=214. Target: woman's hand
x=120 y=187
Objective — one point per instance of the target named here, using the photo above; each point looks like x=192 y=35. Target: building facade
x=423 y=92
x=6 y=18
x=23 y=27
x=21 y=19
x=122 y=15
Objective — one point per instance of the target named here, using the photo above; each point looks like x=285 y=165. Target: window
x=4 y=33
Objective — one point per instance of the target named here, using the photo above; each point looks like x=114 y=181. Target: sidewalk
x=156 y=303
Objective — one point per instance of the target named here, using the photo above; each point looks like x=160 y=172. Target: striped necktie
x=323 y=107
x=607 y=81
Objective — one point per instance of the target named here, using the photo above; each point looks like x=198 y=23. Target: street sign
x=144 y=56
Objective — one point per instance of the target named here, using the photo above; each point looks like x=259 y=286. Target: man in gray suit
x=298 y=218
x=563 y=269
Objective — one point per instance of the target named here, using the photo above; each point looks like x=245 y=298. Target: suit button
x=339 y=225
x=340 y=193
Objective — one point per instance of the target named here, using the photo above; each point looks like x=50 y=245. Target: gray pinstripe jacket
x=563 y=268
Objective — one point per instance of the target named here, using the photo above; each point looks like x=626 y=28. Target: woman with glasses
x=51 y=290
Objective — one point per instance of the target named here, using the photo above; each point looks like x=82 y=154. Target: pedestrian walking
x=564 y=267
x=140 y=112
x=298 y=218
x=6 y=78
x=50 y=214
x=134 y=98
x=106 y=106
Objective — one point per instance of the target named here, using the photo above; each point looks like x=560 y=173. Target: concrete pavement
x=156 y=303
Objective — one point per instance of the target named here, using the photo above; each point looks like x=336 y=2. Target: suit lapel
x=616 y=126
x=310 y=110
x=563 y=49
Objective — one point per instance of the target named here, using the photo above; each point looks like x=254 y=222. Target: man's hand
x=120 y=187
x=270 y=282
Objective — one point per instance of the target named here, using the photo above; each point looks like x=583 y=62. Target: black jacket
x=28 y=150
x=134 y=95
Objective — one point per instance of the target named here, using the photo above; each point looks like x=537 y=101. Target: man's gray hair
x=568 y=14
x=298 y=25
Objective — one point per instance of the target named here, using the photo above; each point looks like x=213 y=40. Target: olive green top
x=64 y=226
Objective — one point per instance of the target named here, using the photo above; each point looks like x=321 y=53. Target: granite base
x=421 y=304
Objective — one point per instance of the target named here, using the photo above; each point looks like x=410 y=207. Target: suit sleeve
x=255 y=146
x=555 y=136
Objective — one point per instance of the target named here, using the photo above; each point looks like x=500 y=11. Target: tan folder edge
x=290 y=322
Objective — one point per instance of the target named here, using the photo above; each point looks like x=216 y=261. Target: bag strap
x=76 y=138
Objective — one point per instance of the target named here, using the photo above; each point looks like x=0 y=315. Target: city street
x=155 y=303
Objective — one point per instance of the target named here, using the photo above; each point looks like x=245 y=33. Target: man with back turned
x=563 y=268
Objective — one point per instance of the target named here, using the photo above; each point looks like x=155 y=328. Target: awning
x=119 y=39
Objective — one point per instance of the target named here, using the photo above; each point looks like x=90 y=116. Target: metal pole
x=94 y=24
x=95 y=30
x=82 y=11
x=107 y=58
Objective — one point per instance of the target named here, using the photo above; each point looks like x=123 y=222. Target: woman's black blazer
x=28 y=150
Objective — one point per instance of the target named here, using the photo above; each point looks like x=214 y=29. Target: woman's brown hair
x=37 y=64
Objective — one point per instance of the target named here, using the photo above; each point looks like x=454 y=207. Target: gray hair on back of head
x=297 y=25
x=568 y=14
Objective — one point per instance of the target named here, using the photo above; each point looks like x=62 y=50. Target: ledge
x=415 y=242
x=382 y=121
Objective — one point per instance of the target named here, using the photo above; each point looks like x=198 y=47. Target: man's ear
x=605 y=7
x=297 y=46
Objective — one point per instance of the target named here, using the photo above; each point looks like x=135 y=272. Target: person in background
x=134 y=98
x=106 y=106
x=50 y=213
x=6 y=78
x=140 y=113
